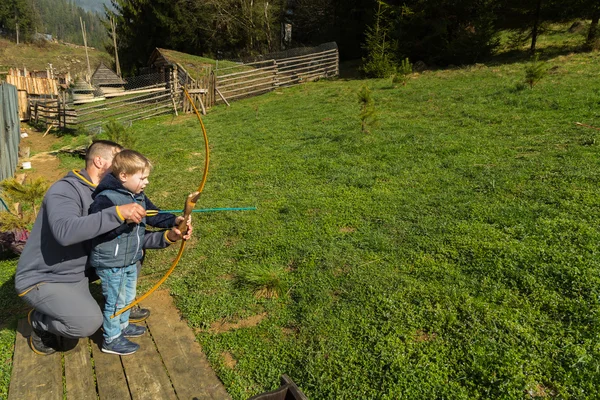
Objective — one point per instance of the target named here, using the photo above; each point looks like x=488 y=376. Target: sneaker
x=133 y=330
x=41 y=342
x=120 y=346
x=138 y=314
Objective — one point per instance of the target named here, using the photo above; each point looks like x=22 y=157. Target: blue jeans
x=118 y=288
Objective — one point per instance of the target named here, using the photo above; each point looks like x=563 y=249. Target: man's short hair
x=101 y=148
x=130 y=162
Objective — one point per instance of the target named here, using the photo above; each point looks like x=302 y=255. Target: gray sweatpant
x=65 y=309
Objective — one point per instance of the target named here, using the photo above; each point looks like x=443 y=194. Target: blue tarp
x=10 y=130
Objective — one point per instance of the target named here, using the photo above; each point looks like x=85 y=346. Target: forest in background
x=59 y=18
x=437 y=32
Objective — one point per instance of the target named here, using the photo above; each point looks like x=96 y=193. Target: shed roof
x=104 y=76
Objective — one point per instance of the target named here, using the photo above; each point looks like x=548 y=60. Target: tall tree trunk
x=536 y=26
x=593 y=33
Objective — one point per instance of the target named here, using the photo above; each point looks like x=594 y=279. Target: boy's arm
x=156 y=240
x=159 y=220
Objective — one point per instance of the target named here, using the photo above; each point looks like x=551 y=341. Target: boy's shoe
x=41 y=342
x=137 y=314
x=133 y=330
x=120 y=346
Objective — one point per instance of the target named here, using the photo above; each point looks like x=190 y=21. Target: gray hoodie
x=59 y=244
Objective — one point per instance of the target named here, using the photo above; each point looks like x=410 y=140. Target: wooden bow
x=190 y=203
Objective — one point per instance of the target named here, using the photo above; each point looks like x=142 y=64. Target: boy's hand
x=132 y=212
x=175 y=234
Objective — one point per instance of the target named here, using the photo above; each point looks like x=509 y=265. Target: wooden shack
x=107 y=81
x=83 y=92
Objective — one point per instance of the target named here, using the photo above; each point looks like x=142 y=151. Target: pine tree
x=367 y=109
x=380 y=47
x=534 y=72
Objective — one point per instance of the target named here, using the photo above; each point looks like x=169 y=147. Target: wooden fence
x=53 y=112
x=126 y=109
x=259 y=77
x=212 y=86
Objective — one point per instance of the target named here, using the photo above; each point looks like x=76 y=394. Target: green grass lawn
x=450 y=253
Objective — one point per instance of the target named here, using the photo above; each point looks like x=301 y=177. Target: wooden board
x=146 y=373
x=79 y=374
x=34 y=376
x=179 y=350
x=109 y=372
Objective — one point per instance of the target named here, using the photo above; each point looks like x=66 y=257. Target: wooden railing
x=52 y=112
x=259 y=77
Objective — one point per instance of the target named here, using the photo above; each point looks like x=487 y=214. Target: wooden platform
x=169 y=365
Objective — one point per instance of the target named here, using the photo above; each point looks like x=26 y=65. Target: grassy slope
x=451 y=253
x=62 y=57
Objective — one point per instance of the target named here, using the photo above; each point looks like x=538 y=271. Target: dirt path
x=42 y=163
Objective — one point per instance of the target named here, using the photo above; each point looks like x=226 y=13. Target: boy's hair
x=130 y=162
x=101 y=148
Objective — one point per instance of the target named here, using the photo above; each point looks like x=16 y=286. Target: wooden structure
x=107 y=81
x=53 y=112
x=35 y=84
x=211 y=86
x=288 y=68
x=169 y=365
x=83 y=92
x=142 y=104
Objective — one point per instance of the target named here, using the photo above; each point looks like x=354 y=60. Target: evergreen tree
x=17 y=14
x=380 y=47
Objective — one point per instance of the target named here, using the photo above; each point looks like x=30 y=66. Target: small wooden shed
x=107 y=80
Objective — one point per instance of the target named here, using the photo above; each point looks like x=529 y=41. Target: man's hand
x=175 y=234
x=132 y=212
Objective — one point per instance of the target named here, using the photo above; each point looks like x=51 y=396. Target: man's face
x=136 y=182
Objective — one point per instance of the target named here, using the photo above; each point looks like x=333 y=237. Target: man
x=51 y=273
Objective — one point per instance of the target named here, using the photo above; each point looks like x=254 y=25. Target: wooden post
x=17 y=26
x=86 y=50
x=201 y=104
x=222 y=97
x=114 y=34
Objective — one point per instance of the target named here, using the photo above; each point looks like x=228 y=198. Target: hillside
x=449 y=253
x=93 y=5
x=63 y=57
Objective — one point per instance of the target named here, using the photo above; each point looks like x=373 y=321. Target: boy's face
x=135 y=183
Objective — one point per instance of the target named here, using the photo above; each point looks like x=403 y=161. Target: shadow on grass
x=11 y=306
x=524 y=55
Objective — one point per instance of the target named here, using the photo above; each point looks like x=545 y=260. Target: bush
x=404 y=70
x=119 y=134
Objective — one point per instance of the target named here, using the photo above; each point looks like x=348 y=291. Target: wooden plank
x=198 y=91
x=146 y=373
x=180 y=351
x=249 y=71
x=34 y=376
x=79 y=374
x=109 y=372
x=129 y=92
x=223 y=97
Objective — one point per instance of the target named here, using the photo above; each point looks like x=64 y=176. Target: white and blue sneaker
x=120 y=346
x=133 y=330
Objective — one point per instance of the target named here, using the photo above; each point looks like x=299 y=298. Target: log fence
x=251 y=79
x=210 y=88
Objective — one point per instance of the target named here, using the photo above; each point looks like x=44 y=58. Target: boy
x=114 y=254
